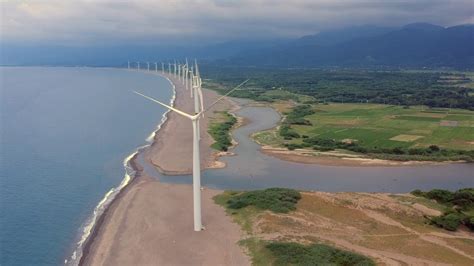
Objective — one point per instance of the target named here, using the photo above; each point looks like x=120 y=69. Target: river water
x=251 y=169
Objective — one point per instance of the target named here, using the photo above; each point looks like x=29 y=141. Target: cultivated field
x=383 y=126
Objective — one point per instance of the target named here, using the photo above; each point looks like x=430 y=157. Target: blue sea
x=65 y=133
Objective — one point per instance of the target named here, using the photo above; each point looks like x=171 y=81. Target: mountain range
x=417 y=45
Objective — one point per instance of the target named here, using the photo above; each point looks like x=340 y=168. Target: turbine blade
x=222 y=97
x=165 y=105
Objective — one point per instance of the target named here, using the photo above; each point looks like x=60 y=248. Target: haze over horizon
x=114 y=23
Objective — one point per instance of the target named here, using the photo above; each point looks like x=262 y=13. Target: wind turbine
x=128 y=64
x=175 y=70
x=148 y=66
x=163 y=67
x=179 y=71
x=169 y=68
x=183 y=73
x=138 y=65
x=196 y=159
x=156 y=67
x=186 y=76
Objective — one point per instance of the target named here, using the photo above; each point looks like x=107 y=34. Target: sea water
x=65 y=133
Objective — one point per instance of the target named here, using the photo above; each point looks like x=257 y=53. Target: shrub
x=440 y=195
x=287 y=133
x=220 y=132
x=449 y=221
x=287 y=253
x=434 y=148
x=460 y=201
x=280 y=200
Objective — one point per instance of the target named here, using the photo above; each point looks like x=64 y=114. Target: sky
x=97 y=22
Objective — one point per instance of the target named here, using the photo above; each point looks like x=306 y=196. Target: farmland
x=376 y=126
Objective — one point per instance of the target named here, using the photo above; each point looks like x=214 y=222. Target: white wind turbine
x=175 y=70
x=162 y=67
x=179 y=71
x=128 y=64
x=148 y=66
x=169 y=68
x=138 y=65
x=156 y=67
x=184 y=71
x=196 y=159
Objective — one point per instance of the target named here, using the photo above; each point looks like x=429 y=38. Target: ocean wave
x=130 y=172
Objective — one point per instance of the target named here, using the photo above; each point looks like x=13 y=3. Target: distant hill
x=414 y=45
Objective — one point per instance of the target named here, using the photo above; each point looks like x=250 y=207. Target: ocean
x=65 y=135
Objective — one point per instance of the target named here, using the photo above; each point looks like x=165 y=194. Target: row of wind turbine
x=190 y=78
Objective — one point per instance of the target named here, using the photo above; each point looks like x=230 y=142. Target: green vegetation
x=460 y=205
x=287 y=253
x=220 y=131
x=404 y=88
x=379 y=131
x=279 y=200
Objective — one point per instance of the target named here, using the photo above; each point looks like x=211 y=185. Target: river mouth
x=251 y=169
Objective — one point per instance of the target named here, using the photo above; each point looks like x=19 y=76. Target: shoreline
x=100 y=222
x=94 y=223
x=103 y=221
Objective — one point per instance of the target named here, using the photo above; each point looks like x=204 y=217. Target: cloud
x=203 y=21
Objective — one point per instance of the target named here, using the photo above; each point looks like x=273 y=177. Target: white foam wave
x=110 y=195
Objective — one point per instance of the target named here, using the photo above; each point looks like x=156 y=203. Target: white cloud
x=101 y=21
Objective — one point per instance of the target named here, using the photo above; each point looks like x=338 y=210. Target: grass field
x=385 y=126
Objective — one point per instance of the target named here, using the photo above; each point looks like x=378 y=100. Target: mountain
x=327 y=38
x=414 y=45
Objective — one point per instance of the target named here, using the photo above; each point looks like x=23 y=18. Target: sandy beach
x=150 y=223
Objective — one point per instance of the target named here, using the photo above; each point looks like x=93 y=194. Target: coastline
x=140 y=179
x=92 y=225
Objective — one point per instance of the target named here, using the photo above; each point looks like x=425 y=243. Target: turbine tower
x=163 y=67
x=174 y=69
x=186 y=73
x=179 y=71
x=138 y=65
x=148 y=66
x=183 y=70
x=191 y=74
x=128 y=64
x=169 y=68
x=196 y=159
x=156 y=67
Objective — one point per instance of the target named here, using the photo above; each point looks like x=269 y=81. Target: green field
x=384 y=126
